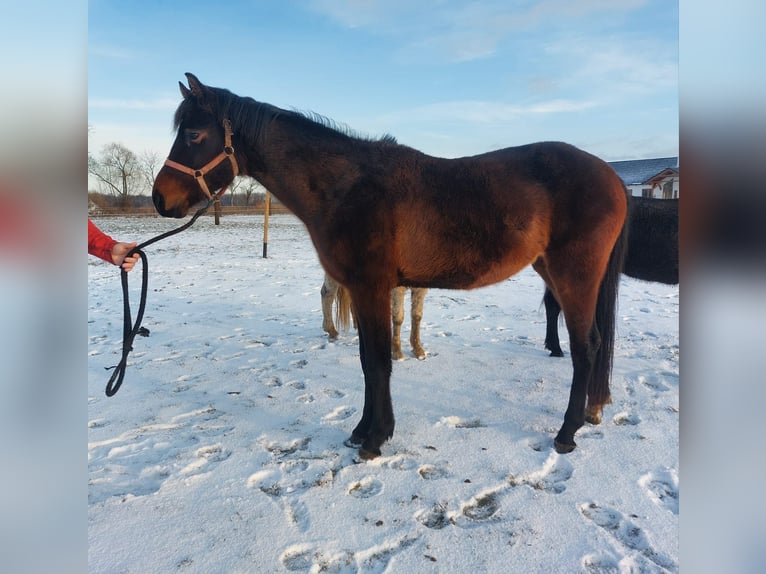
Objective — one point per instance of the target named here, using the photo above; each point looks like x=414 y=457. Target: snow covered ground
x=223 y=450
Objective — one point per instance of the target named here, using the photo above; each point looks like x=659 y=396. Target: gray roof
x=637 y=171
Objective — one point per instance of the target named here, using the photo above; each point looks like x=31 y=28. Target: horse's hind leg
x=584 y=342
x=397 y=318
x=418 y=296
x=328 y=292
x=552 y=312
x=578 y=301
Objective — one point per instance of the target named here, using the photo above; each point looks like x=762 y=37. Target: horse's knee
x=328 y=292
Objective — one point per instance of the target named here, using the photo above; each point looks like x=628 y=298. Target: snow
x=223 y=450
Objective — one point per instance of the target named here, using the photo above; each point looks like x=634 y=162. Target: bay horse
x=334 y=293
x=652 y=255
x=382 y=215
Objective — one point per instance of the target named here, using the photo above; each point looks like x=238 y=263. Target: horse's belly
x=467 y=276
x=499 y=273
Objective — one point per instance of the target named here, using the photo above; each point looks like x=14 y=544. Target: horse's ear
x=184 y=91
x=196 y=87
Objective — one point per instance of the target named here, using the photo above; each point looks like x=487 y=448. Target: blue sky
x=446 y=77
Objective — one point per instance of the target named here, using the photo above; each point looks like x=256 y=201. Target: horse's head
x=201 y=160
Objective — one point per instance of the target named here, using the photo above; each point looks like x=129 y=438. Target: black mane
x=250 y=118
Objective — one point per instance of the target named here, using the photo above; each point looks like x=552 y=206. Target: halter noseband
x=199 y=174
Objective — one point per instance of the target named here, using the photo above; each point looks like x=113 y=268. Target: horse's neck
x=300 y=184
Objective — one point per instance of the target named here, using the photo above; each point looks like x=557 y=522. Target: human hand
x=119 y=252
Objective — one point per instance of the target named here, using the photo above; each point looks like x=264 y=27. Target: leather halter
x=199 y=174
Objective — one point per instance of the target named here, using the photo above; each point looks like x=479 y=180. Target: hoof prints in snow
x=314 y=558
x=140 y=461
x=365 y=488
x=661 y=487
x=482 y=506
x=552 y=478
x=633 y=540
x=461 y=423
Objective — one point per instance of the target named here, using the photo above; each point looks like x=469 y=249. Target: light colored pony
x=332 y=291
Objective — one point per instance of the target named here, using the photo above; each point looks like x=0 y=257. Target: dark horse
x=652 y=255
x=382 y=214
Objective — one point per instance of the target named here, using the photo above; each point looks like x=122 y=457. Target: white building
x=657 y=178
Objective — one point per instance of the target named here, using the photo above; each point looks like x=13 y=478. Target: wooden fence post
x=266 y=224
x=217 y=209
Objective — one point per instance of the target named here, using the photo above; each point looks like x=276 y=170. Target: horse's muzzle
x=159 y=204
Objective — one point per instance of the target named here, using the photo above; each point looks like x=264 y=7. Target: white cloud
x=483 y=111
x=616 y=66
x=365 y=13
x=462 y=31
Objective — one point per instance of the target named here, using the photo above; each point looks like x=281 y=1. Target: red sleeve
x=99 y=243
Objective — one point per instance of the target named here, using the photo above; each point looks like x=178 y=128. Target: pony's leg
x=417 y=295
x=593 y=413
x=552 y=312
x=397 y=318
x=328 y=292
x=373 y=312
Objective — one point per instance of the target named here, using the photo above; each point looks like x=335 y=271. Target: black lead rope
x=130 y=330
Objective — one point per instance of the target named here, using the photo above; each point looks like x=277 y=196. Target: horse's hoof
x=563 y=448
x=366 y=454
x=593 y=418
x=558 y=353
x=353 y=442
x=593 y=415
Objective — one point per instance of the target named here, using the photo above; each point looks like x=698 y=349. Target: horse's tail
x=606 y=311
x=343 y=308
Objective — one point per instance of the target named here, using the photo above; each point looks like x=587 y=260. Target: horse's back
x=473 y=221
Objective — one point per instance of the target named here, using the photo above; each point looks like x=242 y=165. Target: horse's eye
x=194 y=137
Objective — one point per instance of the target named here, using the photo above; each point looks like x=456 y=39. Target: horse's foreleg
x=328 y=292
x=377 y=423
x=397 y=318
x=552 y=312
x=418 y=297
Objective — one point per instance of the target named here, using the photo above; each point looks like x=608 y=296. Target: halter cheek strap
x=199 y=174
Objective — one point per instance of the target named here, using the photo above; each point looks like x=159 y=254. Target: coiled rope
x=130 y=330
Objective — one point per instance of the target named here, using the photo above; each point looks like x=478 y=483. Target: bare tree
x=234 y=186
x=116 y=170
x=248 y=187
x=149 y=163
